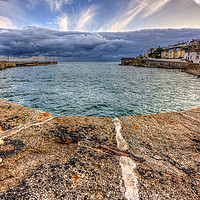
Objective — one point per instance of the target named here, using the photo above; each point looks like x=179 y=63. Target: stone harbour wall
x=137 y=157
x=191 y=68
x=4 y=65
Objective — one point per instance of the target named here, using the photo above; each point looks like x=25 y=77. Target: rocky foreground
x=141 y=157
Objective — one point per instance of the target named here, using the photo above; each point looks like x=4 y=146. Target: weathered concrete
x=4 y=65
x=140 y=157
x=191 y=68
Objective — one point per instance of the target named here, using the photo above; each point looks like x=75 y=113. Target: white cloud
x=32 y=3
x=155 y=7
x=63 y=23
x=5 y=22
x=86 y=19
x=127 y=18
x=197 y=1
x=124 y=16
x=56 y=5
x=132 y=9
x=11 y=9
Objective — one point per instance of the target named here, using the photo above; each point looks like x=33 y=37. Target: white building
x=193 y=56
x=195 y=42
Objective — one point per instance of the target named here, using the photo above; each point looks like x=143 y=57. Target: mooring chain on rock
x=128 y=166
x=15 y=130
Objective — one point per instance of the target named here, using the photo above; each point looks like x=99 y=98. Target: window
x=197 y=57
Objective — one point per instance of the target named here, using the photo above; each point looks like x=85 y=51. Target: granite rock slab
x=138 y=157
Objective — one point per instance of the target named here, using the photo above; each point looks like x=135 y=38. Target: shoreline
x=4 y=65
x=191 y=68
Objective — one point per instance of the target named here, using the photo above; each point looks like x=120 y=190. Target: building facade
x=165 y=54
x=193 y=56
x=173 y=53
x=178 y=51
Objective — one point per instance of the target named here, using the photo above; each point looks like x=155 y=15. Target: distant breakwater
x=4 y=65
x=191 y=68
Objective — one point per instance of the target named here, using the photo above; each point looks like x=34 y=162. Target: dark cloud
x=33 y=41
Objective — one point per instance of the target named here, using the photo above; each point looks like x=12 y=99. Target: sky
x=94 y=29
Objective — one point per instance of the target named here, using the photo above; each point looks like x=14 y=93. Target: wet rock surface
x=140 y=157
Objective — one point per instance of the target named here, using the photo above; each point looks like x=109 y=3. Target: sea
x=99 y=89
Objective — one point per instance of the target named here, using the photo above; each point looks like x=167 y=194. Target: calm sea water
x=99 y=89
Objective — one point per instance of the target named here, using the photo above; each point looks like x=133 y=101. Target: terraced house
x=173 y=53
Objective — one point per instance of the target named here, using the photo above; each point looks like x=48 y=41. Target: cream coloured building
x=173 y=53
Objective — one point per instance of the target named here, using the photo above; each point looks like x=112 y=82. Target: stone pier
x=137 y=157
x=191 y=68
x=4 y=65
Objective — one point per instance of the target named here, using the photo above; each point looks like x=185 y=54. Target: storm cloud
x=34 y=41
